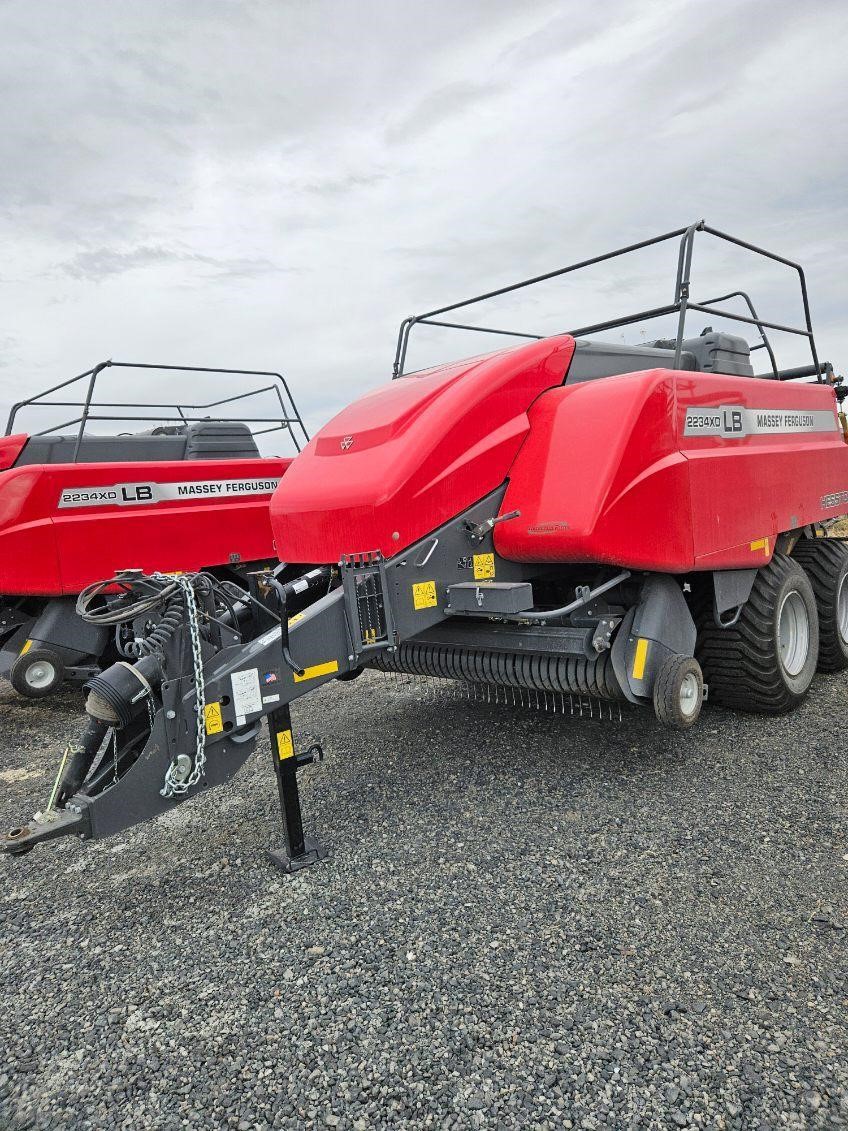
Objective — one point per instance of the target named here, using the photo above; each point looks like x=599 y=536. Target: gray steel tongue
x=42 y=827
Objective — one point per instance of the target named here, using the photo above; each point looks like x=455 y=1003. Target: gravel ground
x=527 y=922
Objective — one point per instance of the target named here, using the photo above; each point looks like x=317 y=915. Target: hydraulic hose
x=79 y=762
x=142 y=595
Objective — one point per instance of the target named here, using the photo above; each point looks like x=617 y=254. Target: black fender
x=659 y=625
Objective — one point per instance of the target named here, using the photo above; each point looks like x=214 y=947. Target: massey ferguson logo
x=346 y=443
x=735 y=422
x=134 y=494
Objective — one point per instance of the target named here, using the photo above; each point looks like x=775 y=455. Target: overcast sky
x=276 y=183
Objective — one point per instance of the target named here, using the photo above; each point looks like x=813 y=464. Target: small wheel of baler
x=679 y=692
x=825 y=561
x=765 y=663
x=37 y=673
x=354 y=673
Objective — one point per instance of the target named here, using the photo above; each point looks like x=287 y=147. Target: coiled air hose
x=141 y=595
x=159 y=636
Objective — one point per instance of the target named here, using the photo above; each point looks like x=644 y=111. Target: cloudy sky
x=276 y=183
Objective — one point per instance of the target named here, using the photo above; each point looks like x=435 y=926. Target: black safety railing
x=288 y=418
x=681 y=305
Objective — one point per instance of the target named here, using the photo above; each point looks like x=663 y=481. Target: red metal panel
x=600 y=478
x=607 y=473
x=49 y=550
x=747 y=490
x=10 y=448
x=406 y=458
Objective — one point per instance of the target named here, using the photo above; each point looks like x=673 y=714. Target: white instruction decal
x=246 y=694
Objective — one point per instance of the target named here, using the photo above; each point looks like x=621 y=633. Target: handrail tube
x=56 y=427
x=765 y=342
x=408 y=323
x=750 y=321
x=687 y=245
x=682 y=303
x=802 y=279
x=803 y=371
x=480 y=329
x=656 y=312
x=158 y=404
x=279 y=425
x=290 y=414
x=46 y=392
x=178 y=419
x=554 y=274
x=89 y=394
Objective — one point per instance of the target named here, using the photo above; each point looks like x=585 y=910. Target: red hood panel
x=49 y=549
x=402 y=460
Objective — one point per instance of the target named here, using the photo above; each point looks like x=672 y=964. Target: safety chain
x=174 y=782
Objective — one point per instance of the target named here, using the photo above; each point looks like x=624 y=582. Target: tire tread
x=823 y=560
x=741 y=664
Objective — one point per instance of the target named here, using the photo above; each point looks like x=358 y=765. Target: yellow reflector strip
x=26 y=648
x=640 y=658
x=484 y=566
x=285 y=744
x=424 y=595
x=761 y=544
x=214 y=721
x=317 y=670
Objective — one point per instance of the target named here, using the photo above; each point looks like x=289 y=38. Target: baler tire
x=679 y=692
x=742 y=665
x=23 y=665
x=825 y=561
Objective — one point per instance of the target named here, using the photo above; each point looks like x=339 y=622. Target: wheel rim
x=842 y=608
x=793 y=633
x=40 y=675
x=689 y=695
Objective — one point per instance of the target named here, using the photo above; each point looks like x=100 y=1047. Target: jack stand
x=300 y=851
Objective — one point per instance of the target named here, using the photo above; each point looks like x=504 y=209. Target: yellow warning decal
x=26 y=648
x=295 y=619
x=316 y=670
x=640 y=658
x=761 y=544
x=424 y=595
x=285 y=744
x=484 y=566
x=214 y=721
